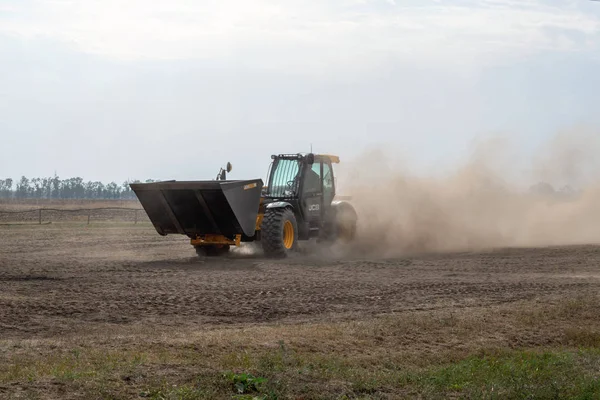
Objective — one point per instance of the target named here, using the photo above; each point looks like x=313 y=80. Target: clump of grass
x=184 y=392
x=244 y=383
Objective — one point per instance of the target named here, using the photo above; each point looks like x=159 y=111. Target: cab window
x=284 y=182
x=312 y=178
x=328 y=185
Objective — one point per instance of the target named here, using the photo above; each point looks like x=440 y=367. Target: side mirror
x=310 y=158
x=229 y=167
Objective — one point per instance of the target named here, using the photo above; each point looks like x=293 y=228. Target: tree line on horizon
x=77 y=188
x=70 y=188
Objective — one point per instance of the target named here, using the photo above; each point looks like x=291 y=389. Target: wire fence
x=42 y=216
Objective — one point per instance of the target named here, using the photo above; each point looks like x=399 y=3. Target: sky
x=173 y=89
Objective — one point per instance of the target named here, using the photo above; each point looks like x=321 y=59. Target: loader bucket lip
x=179 y=185
x=196 y=208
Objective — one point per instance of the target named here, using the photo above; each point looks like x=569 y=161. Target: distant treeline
x=71 y=188
x=76 y=188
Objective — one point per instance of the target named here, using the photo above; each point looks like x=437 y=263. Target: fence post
x=135 y=218
x=40 y=215
x=89 y=214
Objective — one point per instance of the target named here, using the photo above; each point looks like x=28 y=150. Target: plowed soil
x=61 y=280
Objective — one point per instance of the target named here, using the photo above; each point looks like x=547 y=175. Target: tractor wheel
x=279 y=232
x=341 y=226
x=346 y=228
x=212 y=251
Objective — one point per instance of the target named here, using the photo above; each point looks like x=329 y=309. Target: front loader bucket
x=196 y=208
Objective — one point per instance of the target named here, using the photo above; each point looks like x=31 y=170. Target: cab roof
x=330 y=157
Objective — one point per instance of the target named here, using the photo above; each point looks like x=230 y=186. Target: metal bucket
x=196 y=208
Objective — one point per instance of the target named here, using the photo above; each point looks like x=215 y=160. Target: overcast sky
x=166 y=89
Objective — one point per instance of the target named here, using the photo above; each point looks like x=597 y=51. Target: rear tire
x=341 y=225
x=346 y=229
x=279 y=232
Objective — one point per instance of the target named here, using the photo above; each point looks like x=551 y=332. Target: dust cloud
x=498 y=197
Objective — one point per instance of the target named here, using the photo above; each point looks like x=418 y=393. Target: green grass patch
x=552 y=374
x=517 y=375
x=424 y=355
x=74 y=365
x=283 y=373
x=184 y=392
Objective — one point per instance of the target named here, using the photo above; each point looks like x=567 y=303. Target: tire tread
x=271 y=231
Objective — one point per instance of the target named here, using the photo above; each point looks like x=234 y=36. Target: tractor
x=298 y=203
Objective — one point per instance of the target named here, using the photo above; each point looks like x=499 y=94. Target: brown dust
x=498 y=197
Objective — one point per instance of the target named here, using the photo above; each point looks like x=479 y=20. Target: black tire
x=212 y=251
x=341 y=225
x=346 y=226
x=275 y=232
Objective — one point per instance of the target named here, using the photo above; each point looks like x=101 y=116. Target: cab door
x=328 y=187
x=312 y=193
x=328 y=183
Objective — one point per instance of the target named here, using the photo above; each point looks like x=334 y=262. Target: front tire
x=279 y=232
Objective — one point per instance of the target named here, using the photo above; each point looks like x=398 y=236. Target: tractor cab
x=305 y=181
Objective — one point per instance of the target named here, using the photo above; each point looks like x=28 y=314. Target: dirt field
x=65 y=282
x=61 y=280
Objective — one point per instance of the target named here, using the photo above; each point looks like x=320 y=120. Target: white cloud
x=310 y=34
